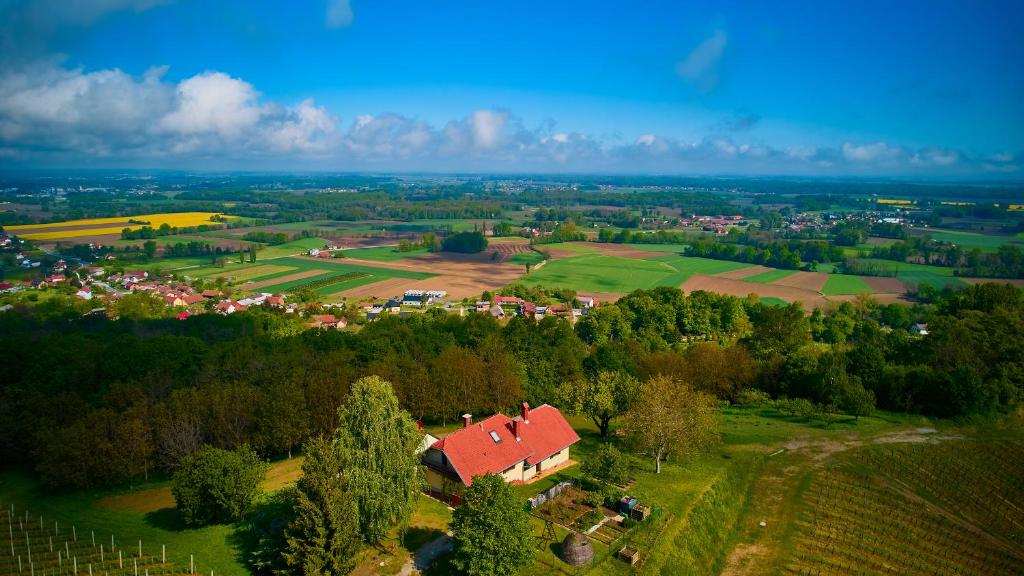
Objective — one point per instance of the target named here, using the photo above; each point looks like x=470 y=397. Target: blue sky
x=918 y=89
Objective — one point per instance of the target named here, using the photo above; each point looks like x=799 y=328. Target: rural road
x=426 y=555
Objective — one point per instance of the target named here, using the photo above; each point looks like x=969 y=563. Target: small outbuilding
x=576 y=549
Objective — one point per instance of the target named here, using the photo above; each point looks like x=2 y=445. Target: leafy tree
x=215 y=485
x=378 y=442
x=465 y=242
x=282 y=419
x=491 y=530
x=606 y=464
x=602 y=398
x=323 y=537
x=141 y=306
x=669 y=417
x=149 y=247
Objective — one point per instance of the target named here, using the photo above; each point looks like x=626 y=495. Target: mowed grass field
x=842 y=284
x=99 y=226
x=916 y=274
x=972 y=240
x=382 y=253
x=769 y=277
x=600 y=273
x=347 y=275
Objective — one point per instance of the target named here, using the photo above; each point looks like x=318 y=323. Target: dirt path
x=775 y=497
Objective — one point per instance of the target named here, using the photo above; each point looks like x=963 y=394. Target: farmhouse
x=519 y=448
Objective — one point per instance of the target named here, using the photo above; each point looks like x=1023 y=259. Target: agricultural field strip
x=769 y=277
x=842 y=285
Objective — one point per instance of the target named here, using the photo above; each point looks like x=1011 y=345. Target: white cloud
x=874 y=152
x=700 y=66
x=339 y=13
x=59 y=116
x=213 y=102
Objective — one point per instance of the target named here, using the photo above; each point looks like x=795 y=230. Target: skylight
x=495 y=437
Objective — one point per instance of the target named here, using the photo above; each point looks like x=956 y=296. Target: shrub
x=606 y=464
x=214 y=485
x=465 y=242
x=753 y=397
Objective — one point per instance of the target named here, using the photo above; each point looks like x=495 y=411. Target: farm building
x=520 y=448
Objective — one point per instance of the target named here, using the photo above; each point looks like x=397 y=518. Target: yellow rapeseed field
x=893 y=201
x=99 y=226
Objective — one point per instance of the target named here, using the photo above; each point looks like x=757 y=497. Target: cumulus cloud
x=701 y=65
x=111 y=113
x=339 y=13
x=60 y=116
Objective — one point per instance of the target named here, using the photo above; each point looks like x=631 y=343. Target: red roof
x=473 y=452
x=506 y=300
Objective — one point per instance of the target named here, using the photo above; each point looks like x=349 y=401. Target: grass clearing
x=844 y=284
x=972 y=240
x=769 y=277
x=382 y=253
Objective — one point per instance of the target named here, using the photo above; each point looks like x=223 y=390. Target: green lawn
x=526 y=258
x=769 y=276
x=600 y=273
x=843 y=284
x=773 y=301
x=300 y=246
x=381 y=253
x=677 y=248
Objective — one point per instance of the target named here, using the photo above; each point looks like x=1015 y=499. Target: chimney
x=515 y=429
x=526 y=413
x=467 y=420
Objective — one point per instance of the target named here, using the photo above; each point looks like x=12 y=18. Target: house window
x=495 y=437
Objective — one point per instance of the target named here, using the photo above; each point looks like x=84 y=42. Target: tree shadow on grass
x=166 y=519
x=416 y=537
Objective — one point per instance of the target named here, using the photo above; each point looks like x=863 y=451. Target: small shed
x=640 y=512
x=631 y=555
x=576 y=549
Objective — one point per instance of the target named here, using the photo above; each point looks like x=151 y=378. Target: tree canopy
x=491 y=529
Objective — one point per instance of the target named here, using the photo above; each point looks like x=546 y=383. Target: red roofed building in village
x=520 y=448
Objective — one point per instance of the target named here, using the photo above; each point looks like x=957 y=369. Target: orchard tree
x=491 y=530
x=606 y=464
x=378 y=442
x=669 y=417
x=323 y=537
x=215 y=485
x=603 y=398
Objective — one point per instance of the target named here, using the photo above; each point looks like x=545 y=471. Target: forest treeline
x=89 y=401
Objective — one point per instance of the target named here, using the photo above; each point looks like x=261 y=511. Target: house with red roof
x=533 y=443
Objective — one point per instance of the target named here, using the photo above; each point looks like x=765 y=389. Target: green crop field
x=599 y=273
x=526 y=258
x=381 y=253
x=769 y=276
x=908 y=510
x=578 y=248
x=333 y=268
x=843 y=284
x=971 y=240
x=773 y=301
x=909 y=273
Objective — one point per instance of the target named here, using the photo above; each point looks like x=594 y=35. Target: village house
x=85 y=293
x=327 y=322
x=532 y=444
x=228 y=307
x=587 y=301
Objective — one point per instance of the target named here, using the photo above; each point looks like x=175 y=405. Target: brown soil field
x=884 y=285
x=813 y=281
x=507 y=249
x=879 y=240
x=282 y=279
x=744 y=272
x=1018 y=282
x=461 y=275
x=810 y=299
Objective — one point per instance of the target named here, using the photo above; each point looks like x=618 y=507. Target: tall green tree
x=323 y=538
x=669 y=417
x=602 y=398
x=378 y=442
x=215 y=485
x=491 y=530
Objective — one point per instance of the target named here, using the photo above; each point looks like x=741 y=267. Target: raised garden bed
x=566 y=508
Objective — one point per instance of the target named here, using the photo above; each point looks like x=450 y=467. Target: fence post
x=163 y=553
x=120 y=560
x=191 y=564
x=140 y=548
